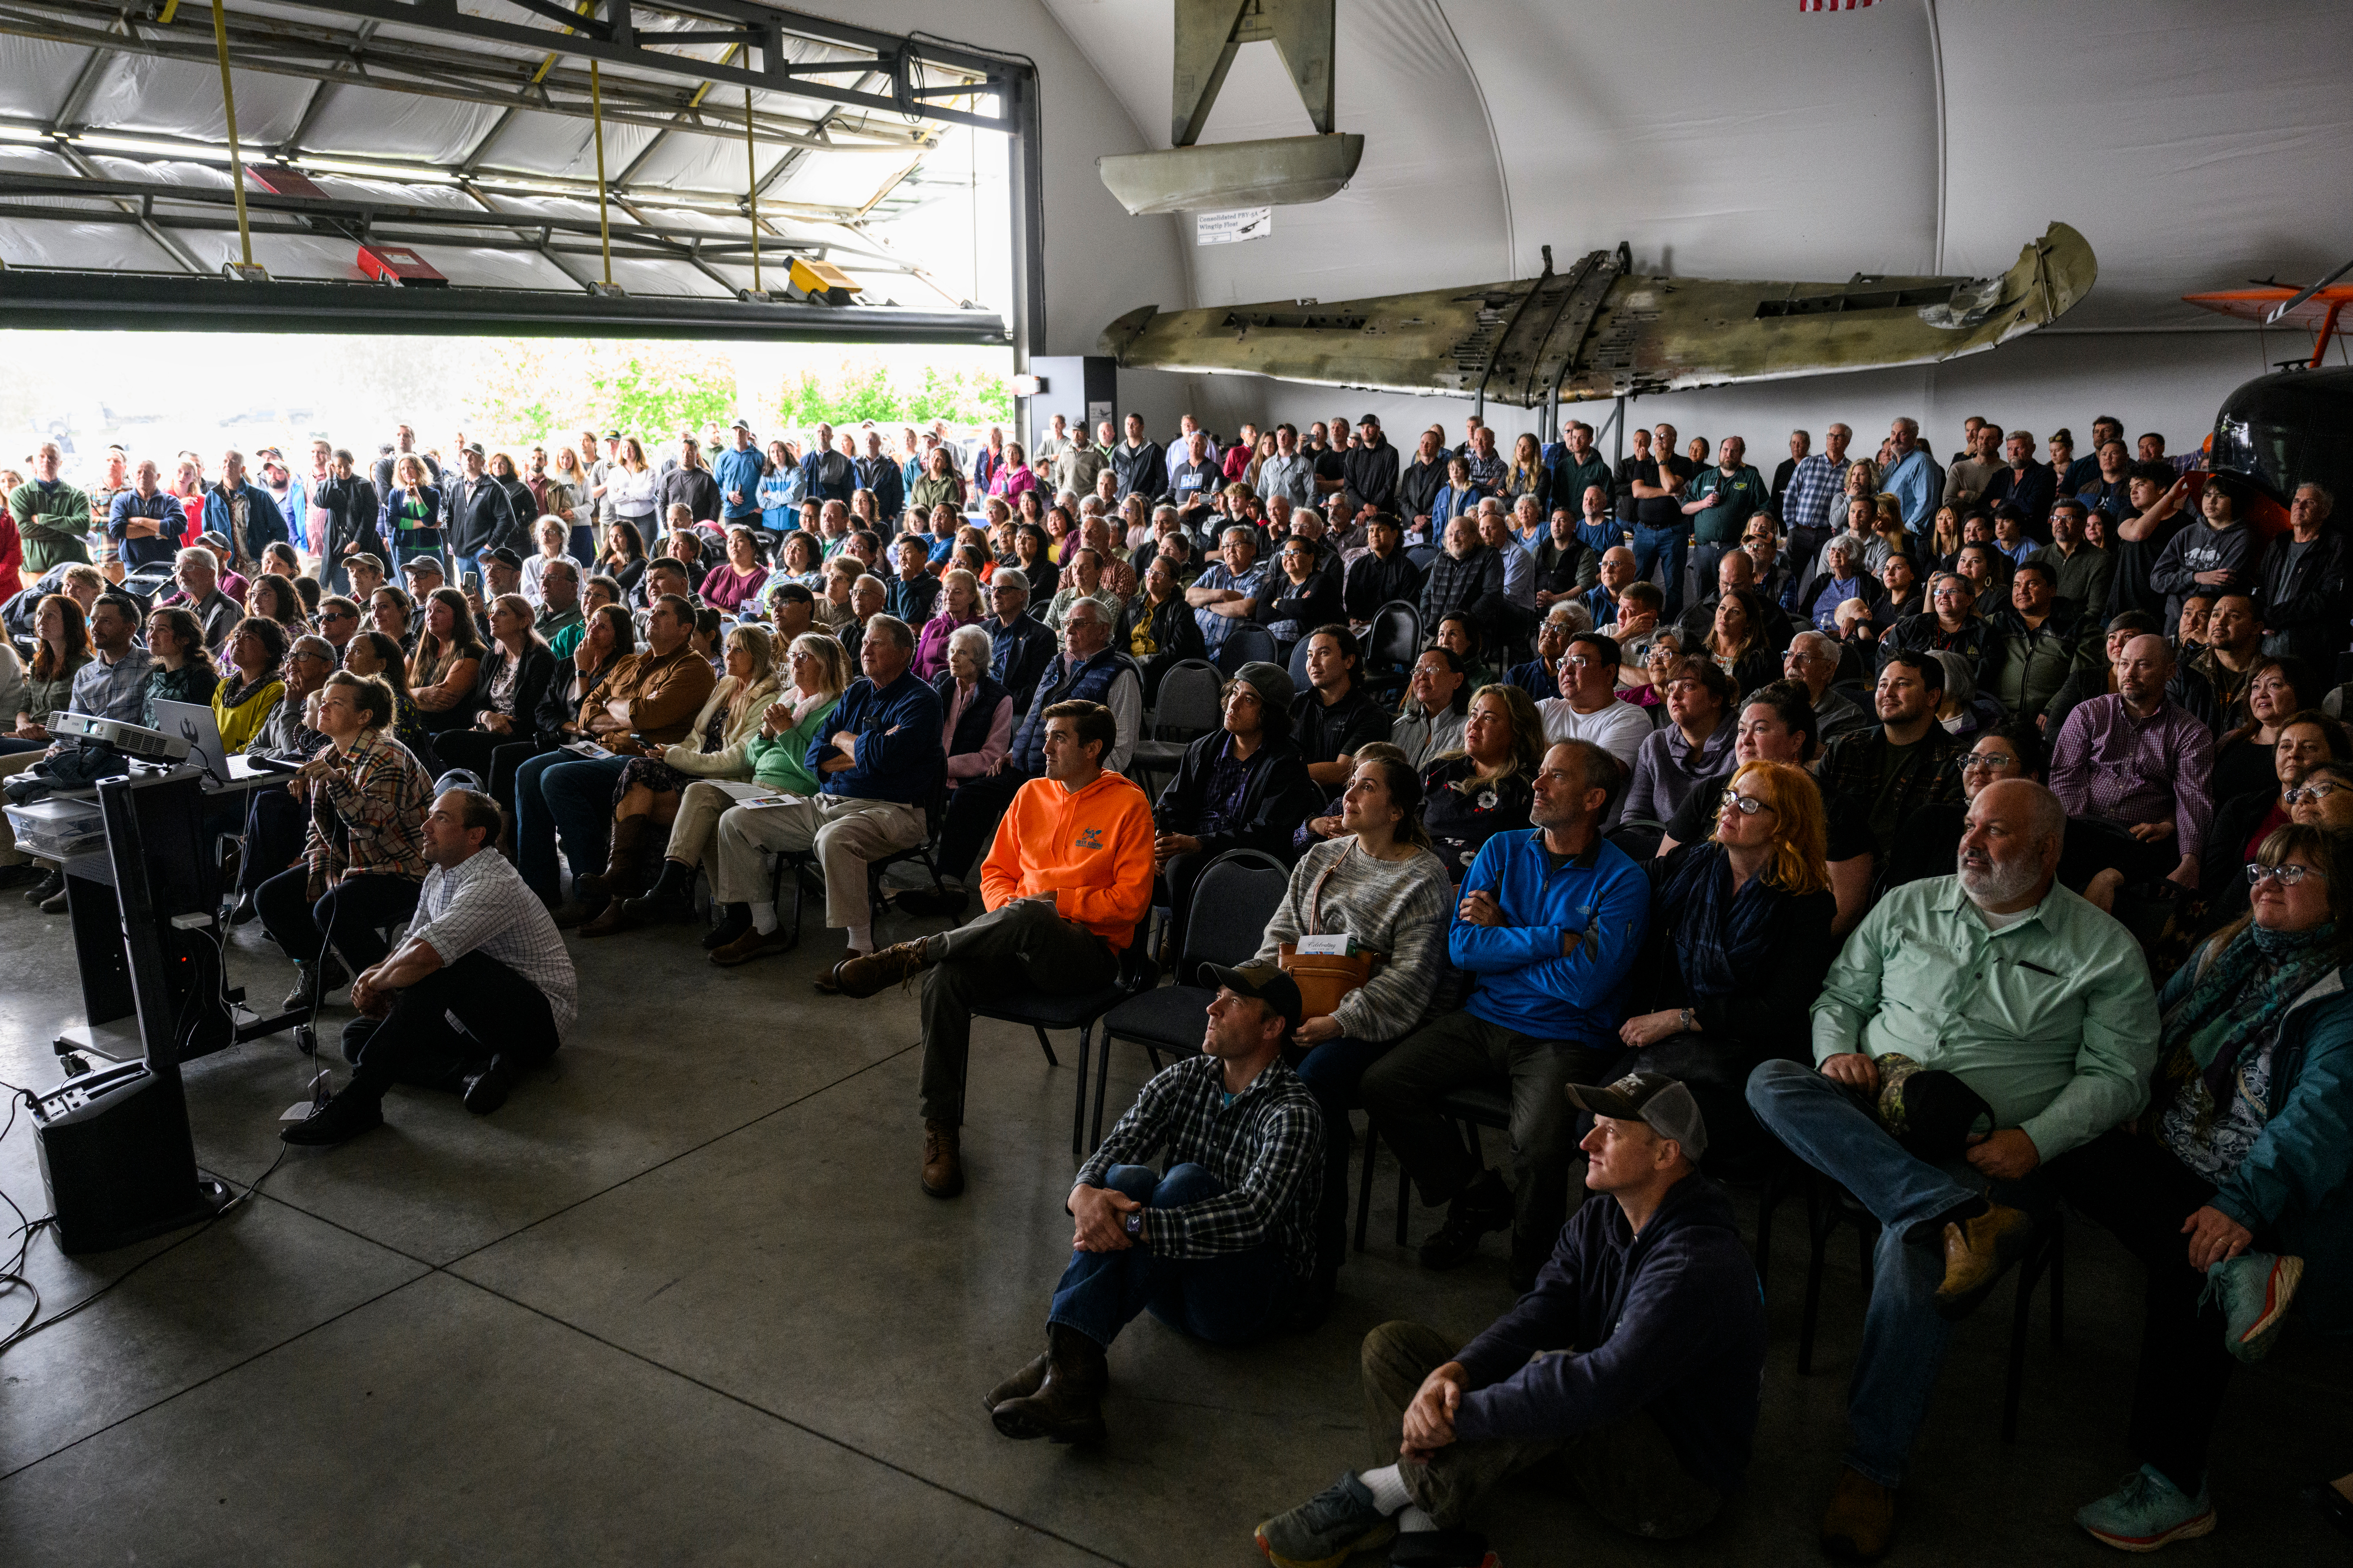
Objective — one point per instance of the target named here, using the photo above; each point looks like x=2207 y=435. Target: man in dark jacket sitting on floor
x=1638 y=1359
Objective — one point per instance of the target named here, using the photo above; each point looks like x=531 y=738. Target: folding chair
x=1233 y=898
x=1248 y=642
x=1390 y=647
x=1042 y=1011
x=1189 y=707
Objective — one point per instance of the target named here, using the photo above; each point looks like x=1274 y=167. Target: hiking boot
x=1978 y=1253
x=343 y=1118
x=1861 y=1518
x=861 y=975
x=52 y=883
x=943 y=1165
x=313 y=983
x=2253 y=1290
x=2146 y=1512
x=1327 y=1529
x=1067 y=1407
x=1484 y=1206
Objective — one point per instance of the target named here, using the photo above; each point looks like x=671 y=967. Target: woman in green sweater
x=778 y=755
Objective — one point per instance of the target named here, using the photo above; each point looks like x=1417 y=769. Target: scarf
x=1720 y=935
x=2237 y=1005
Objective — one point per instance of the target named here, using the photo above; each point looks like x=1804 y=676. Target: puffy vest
x=971 y=724
x=1091 y=682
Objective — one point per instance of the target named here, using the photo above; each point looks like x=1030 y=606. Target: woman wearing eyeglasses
x=2327 y=798
x=1740 y=938
x=2230 y=1188
x=2301 y=742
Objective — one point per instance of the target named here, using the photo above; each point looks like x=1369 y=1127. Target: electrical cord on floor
x=13 y=1277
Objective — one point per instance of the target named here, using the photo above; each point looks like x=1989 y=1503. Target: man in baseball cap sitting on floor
x=1637 y=1361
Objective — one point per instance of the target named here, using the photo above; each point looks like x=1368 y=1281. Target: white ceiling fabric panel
x=137 y=94
x=35 y=77
x=108 y=244
x=364 y=122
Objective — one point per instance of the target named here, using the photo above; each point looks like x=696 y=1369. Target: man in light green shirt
x=2038 y=1003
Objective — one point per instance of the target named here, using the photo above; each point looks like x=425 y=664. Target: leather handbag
x=1324 y=978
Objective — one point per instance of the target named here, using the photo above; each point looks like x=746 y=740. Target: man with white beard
x=1974 y=1026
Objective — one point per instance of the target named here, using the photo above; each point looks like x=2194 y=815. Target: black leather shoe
x=342 y=1119
x=488 y=1089
x=1485 y=1206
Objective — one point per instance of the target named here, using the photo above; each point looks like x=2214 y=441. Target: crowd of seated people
x=1964 y=832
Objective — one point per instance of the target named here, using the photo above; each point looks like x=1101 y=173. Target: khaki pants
x=1625 y=1469
x=700 y=807
x=845 y=832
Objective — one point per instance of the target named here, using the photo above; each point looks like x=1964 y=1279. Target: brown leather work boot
x=943 y=1162
x=864 y=973
x=1860 y=1518
x=1020 y=1386
x=1977 y=1252
x=1067 y=1407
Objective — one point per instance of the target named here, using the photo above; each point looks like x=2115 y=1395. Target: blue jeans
x=1652 y=545
x=1332 y=1072
x=559 y=794
x=1229 y=1300
x=1826 y=1124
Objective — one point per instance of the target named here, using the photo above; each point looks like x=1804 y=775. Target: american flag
x=1806 y=6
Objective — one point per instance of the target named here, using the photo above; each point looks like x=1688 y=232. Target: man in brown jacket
x=649 y=702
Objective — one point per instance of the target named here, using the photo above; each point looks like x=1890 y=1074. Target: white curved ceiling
x=2195 y=145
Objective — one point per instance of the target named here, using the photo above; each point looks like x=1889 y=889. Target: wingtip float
x=1599 y=329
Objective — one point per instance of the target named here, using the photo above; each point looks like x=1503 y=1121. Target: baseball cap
x=1270 y=682
x=741 y=424
x=1263 y=981
x=424 y=563
x=1651 y=1098
x=505 y=557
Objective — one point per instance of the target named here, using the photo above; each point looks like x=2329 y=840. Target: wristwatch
x=1133 y=1223
x=1683 y=1020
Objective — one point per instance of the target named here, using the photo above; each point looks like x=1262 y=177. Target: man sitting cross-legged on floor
x=1220 y=1246
x=1638 y=1359
x=482 y=951
x=1067 y=878
x=1550 y=920
x=2023 y=1005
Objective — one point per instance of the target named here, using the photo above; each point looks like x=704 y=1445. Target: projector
x=131 y=740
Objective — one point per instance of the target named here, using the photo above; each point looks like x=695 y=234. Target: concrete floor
x=682 y=1301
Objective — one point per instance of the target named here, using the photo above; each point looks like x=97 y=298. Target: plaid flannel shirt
x=379 y=805
x=1814 y=484
x=1266 y=1149
x=1850 y=767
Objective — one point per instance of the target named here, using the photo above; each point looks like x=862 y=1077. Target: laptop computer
x=194 y=723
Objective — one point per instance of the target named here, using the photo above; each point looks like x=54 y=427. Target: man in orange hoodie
x=1065 y=883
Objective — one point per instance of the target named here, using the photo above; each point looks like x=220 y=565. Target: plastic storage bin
x=59 y=829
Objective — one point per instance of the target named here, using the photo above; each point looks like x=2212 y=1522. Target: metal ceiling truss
x=808 y=85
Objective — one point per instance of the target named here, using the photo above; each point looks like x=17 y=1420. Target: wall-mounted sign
x=1232 y=227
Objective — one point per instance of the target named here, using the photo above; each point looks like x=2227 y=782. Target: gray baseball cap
x=1652 y=1097
x=1271 y=683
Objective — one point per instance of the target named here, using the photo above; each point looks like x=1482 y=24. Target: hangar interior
x=683 y=1301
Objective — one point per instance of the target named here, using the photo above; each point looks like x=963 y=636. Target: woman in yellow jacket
x=244 y=702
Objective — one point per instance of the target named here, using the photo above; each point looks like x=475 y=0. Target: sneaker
x=2146 y=1512
x=1327 y=1529
x=1485 y=1206
x=2253 y=1290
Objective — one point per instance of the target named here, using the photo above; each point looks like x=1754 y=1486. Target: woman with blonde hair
x=633 y=487
x=777 y=753
x=516 y=670
x=568 y=501
x=1470 y=795
x=649 y=793
x=1739 y=940
x=1528 y=476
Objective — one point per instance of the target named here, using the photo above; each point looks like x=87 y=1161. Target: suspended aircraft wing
x=2317 y=308
x=1598 y=330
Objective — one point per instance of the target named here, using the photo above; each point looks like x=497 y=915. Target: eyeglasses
x=2288 y=874
x=2315 y=793
x=1746 y=804
x=1992 y=759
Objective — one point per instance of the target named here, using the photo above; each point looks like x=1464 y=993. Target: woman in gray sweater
x=1376 y=882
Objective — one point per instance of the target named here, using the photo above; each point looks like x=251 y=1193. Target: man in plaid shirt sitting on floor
x=1220 y=1246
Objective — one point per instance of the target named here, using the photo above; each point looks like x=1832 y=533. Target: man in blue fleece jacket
x=1549 y=922
x=1638 y=1359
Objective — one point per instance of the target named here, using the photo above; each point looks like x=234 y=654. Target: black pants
x=2133 y=1187
x=275 y=825
x=975 y=808
x=1020 y=945
x=1459 y=1050
x=504 y=760
x=503 y=1014
x=348 y=914
x=475 y=751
